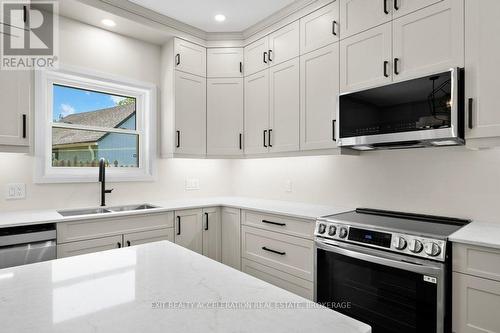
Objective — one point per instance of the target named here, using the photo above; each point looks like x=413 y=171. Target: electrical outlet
x=289 y=185
x=192 y=184
x=16 y=191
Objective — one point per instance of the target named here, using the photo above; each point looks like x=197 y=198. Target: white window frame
x=146 y=104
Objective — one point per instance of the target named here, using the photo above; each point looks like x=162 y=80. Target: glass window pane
x=92 y=108
x=80 y=148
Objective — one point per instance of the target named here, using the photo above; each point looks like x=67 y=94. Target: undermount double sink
x=107 y=210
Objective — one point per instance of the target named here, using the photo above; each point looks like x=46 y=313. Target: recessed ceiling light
x=108 y=23
x=220 y=18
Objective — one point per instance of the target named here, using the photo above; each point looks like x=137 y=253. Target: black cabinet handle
x=206 y=220
x=274 y=223
x=177 y=59
x=386 y=71
x=241 y=67
x=333 y=130
x=178 y=139
x=269 y=141
x=119 y=244
x=396 y=62
x=265 y=134
x=273 y=251
x=334 y=23
x=471 y=104
x=128 y=243
x=396 y=6
x=386 y=10
x=265 y=57
x=25 y=14
x=270 y=55
x=178 y=225
x=241 y=141
x=24 y=126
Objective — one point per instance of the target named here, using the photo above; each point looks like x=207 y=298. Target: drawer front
x=89 y=229
x=475 y=260
x=287 y=225
x=145 y=237
x=89 y=246
x=275 y=277
x=288 y=254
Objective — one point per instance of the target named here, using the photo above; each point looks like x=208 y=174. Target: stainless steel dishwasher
x=27 y=244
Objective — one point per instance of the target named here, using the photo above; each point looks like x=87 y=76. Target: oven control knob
x=415 y=246
x=343 y=232
x=400 y=243
x=432 y=249
x=321 y=228
x=332 y=230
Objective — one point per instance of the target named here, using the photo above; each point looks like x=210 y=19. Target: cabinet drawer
x=98 y=228
x=148 y=237
x=89 y=246
x=285 y=281
x=288 y=225
x=288 y=254
x=476 y=260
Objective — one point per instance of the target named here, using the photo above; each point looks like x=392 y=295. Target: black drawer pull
x=386 y=11
x=178 y=225
x=265 y=57
x=206 y=219
x=241 y=67
x=274 y=223
x=178 y=139
x=24 y=126
x=471 y=104
x=265 y=134
x=396 y=6
x=273 y=251
x=333 y=130
x=241 y=141
x=396 y=62
x=177 y=59
x=270 y=55
x=269 y=139
x=119 y=244
x=128 y=243
x=334 y=23
x=386 y=71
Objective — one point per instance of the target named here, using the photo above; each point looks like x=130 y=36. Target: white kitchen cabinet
x=231 y=237
x=190 y=58
x=144 y=237
x=284 y=44
x=365 y=59
x=319 y=89
x=403 y=7
x=188 y=229
x=360 y=15
x=212 y=233
x=15 y=109
x=320 y=28
x=256 y=55
x=429 y=40
x=284 y=100
x=481 y=70
x=256 y=112
x=224 y=62
x=190 y=114
x=89 y=246
x=225 y=116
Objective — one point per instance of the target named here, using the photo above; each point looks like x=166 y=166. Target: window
x=88 y=117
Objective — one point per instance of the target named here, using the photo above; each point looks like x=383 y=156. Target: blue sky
x=71 y=100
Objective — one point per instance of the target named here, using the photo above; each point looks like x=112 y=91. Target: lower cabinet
x=212 y=233
x=144 y=237
x=231 y=237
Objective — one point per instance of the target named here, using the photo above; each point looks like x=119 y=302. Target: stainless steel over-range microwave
x=423 y=112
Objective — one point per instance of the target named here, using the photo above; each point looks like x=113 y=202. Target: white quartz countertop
x=158 y=287
x=478 y=233
x=292 y=209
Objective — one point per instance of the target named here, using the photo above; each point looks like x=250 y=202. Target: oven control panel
x=412 y=245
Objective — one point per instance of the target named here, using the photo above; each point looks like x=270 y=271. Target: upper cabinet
x=256 y=113
x=256 y=55
x=284 y=44
x=15 y=109
x=320 y=28
x=360 y=15
x=224 y=62
x=190 y=58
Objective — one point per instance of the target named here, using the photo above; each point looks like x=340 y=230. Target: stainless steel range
x=391 y=270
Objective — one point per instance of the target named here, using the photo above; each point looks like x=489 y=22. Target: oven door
x=389 y=292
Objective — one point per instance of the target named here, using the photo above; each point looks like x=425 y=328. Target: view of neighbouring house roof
x=108 y=118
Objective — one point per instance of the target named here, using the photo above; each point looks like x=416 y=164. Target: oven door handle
x=395 y=263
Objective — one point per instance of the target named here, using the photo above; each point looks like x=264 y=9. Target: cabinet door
x=148 y=237
x=360 y=15
x=15 y=97
x=224 y=62
x=89 y=246
x=365 y=59
x=231 y=237
x=284 y=108
x=284 y=44
x=256 y=56
x=319 y=90
x=190 y=113
x=188 y=229
x=481 y=67
x=256 y=112
x=429 y=40
x=475 y=304
x=190 y=58
x=225 y=116
x=403 y=7
x=212 y=233
x=319 y=28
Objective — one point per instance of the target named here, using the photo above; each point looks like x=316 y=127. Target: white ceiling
x=240 y=14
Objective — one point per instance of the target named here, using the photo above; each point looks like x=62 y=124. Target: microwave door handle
x=404 y=265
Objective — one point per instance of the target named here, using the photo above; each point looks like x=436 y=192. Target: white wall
x=452 y=182
x=86 y=46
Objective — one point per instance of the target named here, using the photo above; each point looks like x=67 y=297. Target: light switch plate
x=16 y=191
x=192 y=184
